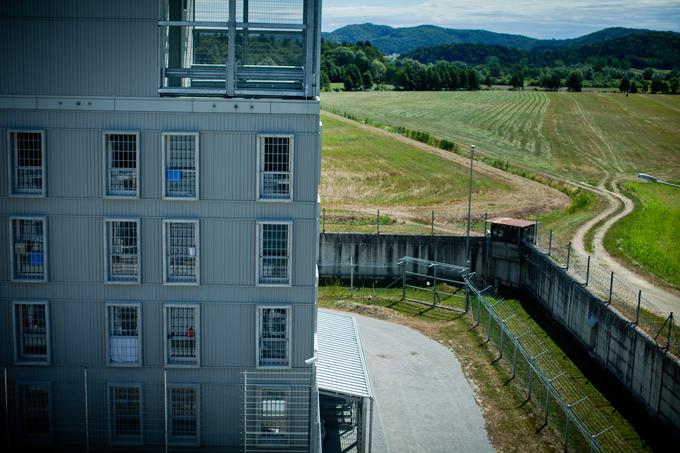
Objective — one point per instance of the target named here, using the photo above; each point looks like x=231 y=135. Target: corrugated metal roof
x=512 y=222
x=340 y=367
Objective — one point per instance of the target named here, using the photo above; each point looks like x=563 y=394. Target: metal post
x=351 y=273
x=434 y=285
x=403 y=281
x=514 y=359
x=611 y=287
x=6 y=410
x=536 y=233
x=500 y=332
x=550 y=244
x=588 y=271
x=377 y=223
x=568 y=255
x=486 y=219
x=488 y=328
x=566 y=431
x=165 y=409
x=370 y=432
x=637 y=311
x=670 y=331
x=547 y=403
x=478 y=303
x=432 y=222
x=231 y=50
x=467 y=239
x=529 y=384
x=323 y=221
x=87 y=418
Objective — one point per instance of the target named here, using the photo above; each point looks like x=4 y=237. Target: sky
x=545 y=19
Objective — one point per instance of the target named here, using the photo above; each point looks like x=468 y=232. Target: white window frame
x=177 y=363
x=167 y=279
x=197 y=160
x=258 y=329
x=15 y=333
x=21 y=409
x=184 y=440
x=105 y=159
x=109 y=334
x=261 y=436
x=107 y=251
x=258 y=252
x=12 y=241
x=260 y=170
x=12 y=163
x=120 y=439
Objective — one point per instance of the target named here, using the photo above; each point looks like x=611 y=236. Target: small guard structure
x=505 y=235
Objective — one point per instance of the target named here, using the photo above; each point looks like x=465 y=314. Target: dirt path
x=656 y=295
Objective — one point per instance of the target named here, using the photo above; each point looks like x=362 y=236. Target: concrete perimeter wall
x=651 y=374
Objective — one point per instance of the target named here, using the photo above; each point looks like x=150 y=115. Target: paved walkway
x=424 y=403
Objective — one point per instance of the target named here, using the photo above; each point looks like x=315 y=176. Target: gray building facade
x=159 y=222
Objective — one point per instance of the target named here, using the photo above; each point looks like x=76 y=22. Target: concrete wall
x=651 y=374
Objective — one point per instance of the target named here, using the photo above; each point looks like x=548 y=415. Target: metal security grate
x=31 y=329
x=126 y=416
x=181 y=169
x=34 y=407
x=181 y=252
x=274 y=253
x=275 y=168
x=29 y=249
x=182 y=341
x=123 y=251
x=124 y=337
x=121 y=161
x=28 y=163
x=270 y=11
x=183 y=414
x=273 y=339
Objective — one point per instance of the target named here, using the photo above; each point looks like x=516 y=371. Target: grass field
x=650 y=234
x=580 y=136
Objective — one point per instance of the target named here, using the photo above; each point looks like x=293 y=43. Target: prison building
x=159 y=215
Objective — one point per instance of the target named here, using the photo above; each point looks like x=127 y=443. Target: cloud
x=542 y=19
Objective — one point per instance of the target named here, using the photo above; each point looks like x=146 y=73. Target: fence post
x=670 y=331
x=500 y=332
x=536 y=234
x=611 y=287
x=588 y=271
x=568 y=255
x=323 y=222
x=351 y=274
x=403 y=281
x=529 y=384
x=514 y=359
x=165 y=409
x=6 y=410
x=488 y=328
x=566 y=430
x=87 y=418
x=433 y=222
x=478 y=303
x=637 y=311
x=486 y=219
x=547 y=403
x=434 y=285
x=377 y=223
x=550 y=244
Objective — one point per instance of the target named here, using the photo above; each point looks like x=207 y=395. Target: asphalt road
x=424 y=402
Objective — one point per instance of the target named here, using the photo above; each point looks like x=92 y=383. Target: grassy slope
x=579 y=135
x=650 y=235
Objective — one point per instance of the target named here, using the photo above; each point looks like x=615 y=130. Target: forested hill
x=639 y=50
x=401 y=40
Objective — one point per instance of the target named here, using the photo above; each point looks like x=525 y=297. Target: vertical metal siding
x=74 y=163
x=227 y=252
x=75 y=249
x=228 y=166
x=78 y=332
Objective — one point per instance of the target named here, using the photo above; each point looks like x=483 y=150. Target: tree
x=674 y=84
x=325 y=82
x=633 y=87
x=658 y=86
x=517 y=81
x=551 y=81
x=648 y=74
x=353 y=80
x=368 y=80
x=574 y=81
x=473 y=80
x=624 y=86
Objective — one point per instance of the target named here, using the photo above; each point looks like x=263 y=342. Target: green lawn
x=650 y=235
x=581 y=136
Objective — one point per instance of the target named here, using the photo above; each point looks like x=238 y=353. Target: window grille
x=182 y=335
x=34 y=411
x=122 y=251
x=183 y=414
x=31 y=329
x=124 y=325
x=28 y=163
x=270 y=11
x=126 y=413
x=181 y=252
x=273 y=341
x=274 y=253
x=272 y=417
x=121 y=164
x=275 y=168
x=30 y=251
x=181 y=166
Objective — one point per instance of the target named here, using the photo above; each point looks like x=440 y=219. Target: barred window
x=125 y=403
x=183 y=414
x=32 y=332
x=121 y=157
x=124 y=334
x=28 y=162
x=273 y=337
x=181 y=251
x=34 y=411
x=272 y=416
x=122 y=251
x=180 y=176
x=183 y=335
x=275 y=167
x=30 y=248
x=274 y=253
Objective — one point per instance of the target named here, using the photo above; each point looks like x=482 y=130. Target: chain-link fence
x=631 y=302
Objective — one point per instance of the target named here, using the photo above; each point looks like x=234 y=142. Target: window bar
x=274 y=253
x=121 y=164
x=123 y=251
x=124 y=338
x=180 y=171
x=276 y=168
x=32 y=331
x=182 y=335
x=181 y=259
x=28 y=163
x=274 y=336
x=29 y=249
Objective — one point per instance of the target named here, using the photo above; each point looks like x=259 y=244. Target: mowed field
x=365 y=169
x=582 y=137
x=650 y=234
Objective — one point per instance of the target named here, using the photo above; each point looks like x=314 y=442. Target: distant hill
x=401 y=40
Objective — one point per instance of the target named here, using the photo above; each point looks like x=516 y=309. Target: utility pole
x=467 y=239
